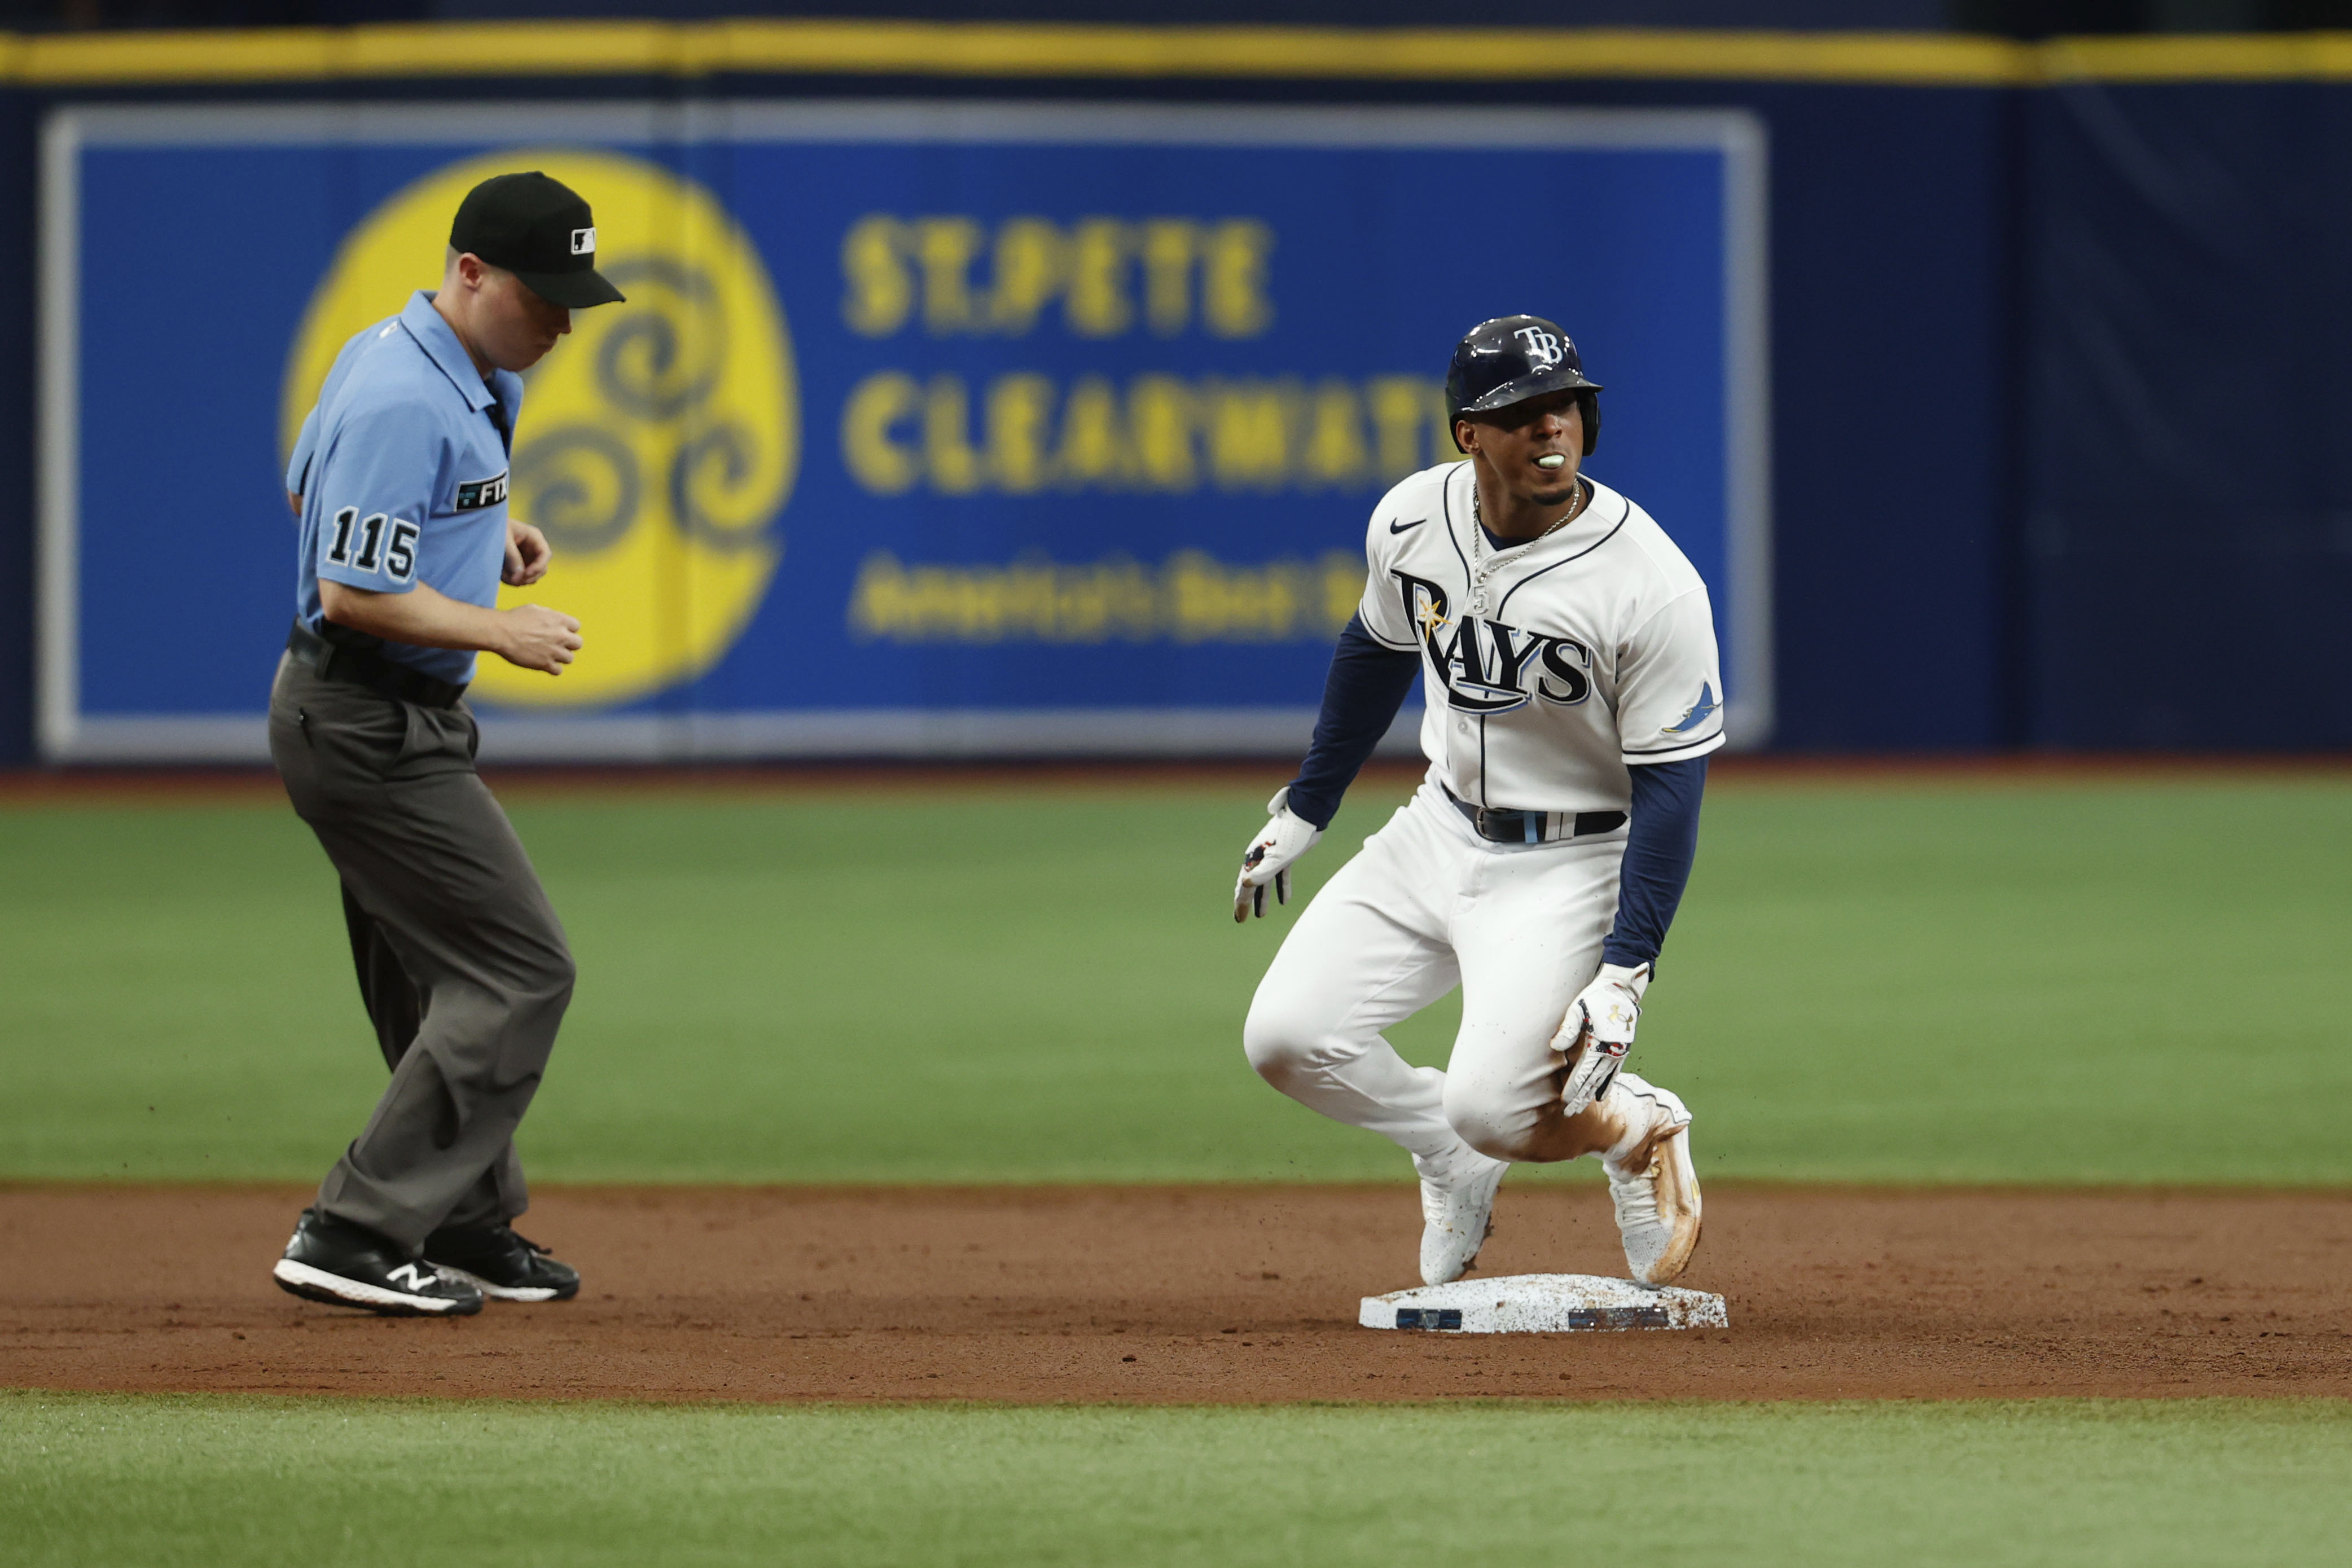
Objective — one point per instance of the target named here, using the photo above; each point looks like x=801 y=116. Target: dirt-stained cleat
x=348 y=1265
x=1457 y=1209
x=1653 y=1185
x=500 y=1264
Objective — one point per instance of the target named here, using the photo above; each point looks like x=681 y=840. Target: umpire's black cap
x=539 y=229
x=1512 y=358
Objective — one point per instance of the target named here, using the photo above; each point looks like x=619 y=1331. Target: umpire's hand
x=527 y=555
x=538 y=638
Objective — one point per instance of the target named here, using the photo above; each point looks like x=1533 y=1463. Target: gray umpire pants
x=462 y=964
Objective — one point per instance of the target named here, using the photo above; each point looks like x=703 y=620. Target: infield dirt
x=1205 y=1295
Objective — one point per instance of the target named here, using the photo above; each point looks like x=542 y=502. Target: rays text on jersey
x=1491 y=666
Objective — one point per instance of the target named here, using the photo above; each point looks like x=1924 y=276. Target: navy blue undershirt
x=1366 y=686
x=1659 y=848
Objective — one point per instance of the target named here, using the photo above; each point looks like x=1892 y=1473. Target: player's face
x=1510 y=441
x=515 y=327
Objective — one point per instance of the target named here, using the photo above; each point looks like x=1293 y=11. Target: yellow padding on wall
x=1018 y=50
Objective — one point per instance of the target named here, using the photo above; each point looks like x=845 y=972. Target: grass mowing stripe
x=1954 y=983
x=199 y=1481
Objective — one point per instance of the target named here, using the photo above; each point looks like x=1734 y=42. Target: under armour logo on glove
x=1599 y=1032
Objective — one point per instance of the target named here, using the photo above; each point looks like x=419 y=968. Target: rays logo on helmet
x=1543 y=348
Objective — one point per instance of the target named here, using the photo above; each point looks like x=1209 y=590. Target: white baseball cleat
x=1655 y=1186
x=1457 y=1209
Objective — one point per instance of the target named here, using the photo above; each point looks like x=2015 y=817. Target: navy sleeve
x=1659 y=849
x=1366 y=686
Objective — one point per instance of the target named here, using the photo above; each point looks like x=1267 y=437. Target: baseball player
x=399 y=479
x=1568 y=657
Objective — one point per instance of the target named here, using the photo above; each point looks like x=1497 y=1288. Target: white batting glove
x=1268 y=859
x=1599 y=1032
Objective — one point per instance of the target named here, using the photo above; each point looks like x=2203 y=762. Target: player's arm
x=1365 y=687
x=1372 y=670
x=530 y=635
x=1669 y=717
x=1661 y=845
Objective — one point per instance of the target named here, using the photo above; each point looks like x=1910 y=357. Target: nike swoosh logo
x=1400 y=528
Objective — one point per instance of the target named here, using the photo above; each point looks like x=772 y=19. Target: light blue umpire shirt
x=402 y=468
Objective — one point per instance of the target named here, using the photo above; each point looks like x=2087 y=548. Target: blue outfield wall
x=2051 y=387
x=2188 y=445
x=1891 y=263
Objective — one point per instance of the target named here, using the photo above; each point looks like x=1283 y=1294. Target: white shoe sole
x=318 y=1284
x=495 y=1292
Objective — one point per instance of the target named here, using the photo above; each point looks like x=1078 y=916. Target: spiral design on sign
x=581 y=485
x=712 y=488
x=658 y=443
x=665 y=353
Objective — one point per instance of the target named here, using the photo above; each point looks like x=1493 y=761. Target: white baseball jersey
x=1550 y=666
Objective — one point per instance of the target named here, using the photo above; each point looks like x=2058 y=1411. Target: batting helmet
x=1512 y=358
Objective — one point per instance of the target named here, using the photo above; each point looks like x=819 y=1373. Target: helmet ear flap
x=1590 y=403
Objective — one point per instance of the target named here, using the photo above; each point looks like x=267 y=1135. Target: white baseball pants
x=1427 y=905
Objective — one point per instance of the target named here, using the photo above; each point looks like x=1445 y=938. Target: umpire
x=399 y=479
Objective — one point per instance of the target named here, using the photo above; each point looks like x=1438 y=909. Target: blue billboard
x=927 y=429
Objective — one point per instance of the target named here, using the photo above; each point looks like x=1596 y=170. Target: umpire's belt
x=1534 y=827
x=339 y=653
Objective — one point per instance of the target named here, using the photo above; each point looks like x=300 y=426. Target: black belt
x=1507 y=827
x=339 y=653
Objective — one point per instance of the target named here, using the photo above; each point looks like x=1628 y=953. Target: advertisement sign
x=926 y=429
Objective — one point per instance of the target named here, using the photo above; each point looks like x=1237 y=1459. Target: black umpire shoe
x=502 y=1265
x=332 y=1259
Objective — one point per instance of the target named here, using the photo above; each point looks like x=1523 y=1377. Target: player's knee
x=1279 y=1038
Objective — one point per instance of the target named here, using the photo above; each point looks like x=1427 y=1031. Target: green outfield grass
x=1950 y=982
x=199 y=1481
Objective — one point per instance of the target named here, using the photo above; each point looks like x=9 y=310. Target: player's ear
x=1465 y=436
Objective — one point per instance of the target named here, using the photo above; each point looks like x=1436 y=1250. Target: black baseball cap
x=539 y=229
